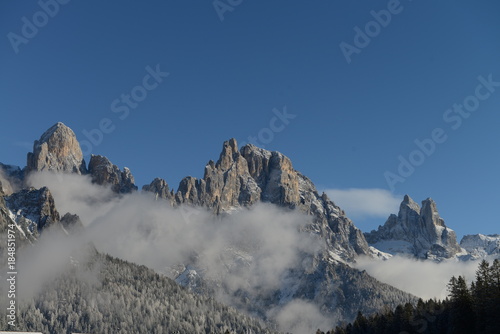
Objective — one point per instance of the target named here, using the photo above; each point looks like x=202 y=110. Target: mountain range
x=322 y=277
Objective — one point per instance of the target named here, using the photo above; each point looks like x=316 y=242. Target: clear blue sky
x=353 y=120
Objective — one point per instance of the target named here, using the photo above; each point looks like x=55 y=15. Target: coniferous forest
x=469 y=308
x=106 y=295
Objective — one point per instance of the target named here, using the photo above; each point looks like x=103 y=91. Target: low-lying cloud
x=365 y=203
x=300 y=316
x=425 y=279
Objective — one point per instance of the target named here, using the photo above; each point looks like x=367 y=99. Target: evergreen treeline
x=109 y=296
x=468 y=310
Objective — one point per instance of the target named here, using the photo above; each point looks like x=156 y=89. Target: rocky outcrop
x=103 y=172
x=57 y=150
x=241 y=178
x=417 y=231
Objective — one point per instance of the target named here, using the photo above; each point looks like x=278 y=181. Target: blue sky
x=348 y=123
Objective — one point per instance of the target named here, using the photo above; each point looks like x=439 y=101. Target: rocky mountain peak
x=57 y=150
x=408 y=201
x=228 y=155
x=417 y=231
x=251 y=175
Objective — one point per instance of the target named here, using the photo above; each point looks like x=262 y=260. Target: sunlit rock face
x=57 y=150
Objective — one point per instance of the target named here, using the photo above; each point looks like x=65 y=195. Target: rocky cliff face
x=241 y=178
x=417 y=231
x=57 y=150
x=103 y=172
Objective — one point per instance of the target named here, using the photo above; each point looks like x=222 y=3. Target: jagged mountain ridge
x=241 y=178
x=245 y=177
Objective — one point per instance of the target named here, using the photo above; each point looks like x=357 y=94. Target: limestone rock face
x=241 y=178
x=417 y=231
x=57 y=150
x=103 y=172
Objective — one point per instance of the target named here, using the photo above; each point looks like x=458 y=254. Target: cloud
x=9 y=184
x=5 y=184
x=425 y=279
x=300 y=316
x=249 y=250
x=362 y=203
x=76 y=194
x=48 y=259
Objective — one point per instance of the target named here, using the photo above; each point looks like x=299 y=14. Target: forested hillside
x=108 y=295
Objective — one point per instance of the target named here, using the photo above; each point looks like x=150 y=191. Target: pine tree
x=462 y=316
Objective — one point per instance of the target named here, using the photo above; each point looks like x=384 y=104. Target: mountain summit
x=417 y=231
x=57 y=150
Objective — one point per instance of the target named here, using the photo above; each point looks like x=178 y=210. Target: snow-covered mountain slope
x=480 y=246
x=97 y=293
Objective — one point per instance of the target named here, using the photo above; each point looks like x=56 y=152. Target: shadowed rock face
x=33 y=210
x=57 y=150
x=241 y=178
x=418 y=231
